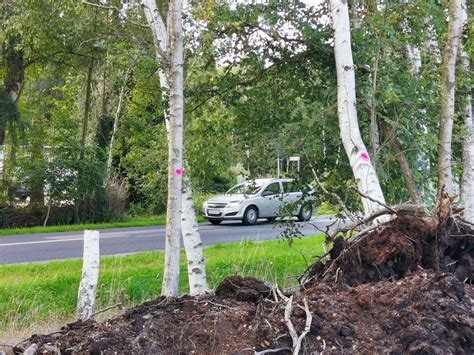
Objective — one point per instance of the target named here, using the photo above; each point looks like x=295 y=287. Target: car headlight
x=234 y=204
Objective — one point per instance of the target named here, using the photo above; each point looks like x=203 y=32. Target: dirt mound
x=425 y=312
x=398 y=248
x=396 y=289
x=246 y=289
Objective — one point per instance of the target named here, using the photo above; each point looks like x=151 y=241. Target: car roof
x=267 y=180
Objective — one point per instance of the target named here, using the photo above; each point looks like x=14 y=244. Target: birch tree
x=359 y=159
x=445 y=172
x=189 y=225
x=467 y=181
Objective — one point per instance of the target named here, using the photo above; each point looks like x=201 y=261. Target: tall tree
x=467 y=181
x=164 y=40
x=445 y=151
x=362 y=168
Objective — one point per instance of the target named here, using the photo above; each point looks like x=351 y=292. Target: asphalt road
x=117 y=241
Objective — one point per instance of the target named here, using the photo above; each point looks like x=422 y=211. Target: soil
x=404 y=287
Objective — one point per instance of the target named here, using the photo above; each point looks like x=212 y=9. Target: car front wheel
x=250 y=216
x=306 y=212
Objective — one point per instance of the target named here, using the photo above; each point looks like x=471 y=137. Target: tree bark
x=445 y=173
x=467 y=181
x=90 y=275
x=189 y=225
x=13 y=83
x=175 y=153
x=87 y=104
x=192 y=241
x=362 y=168
x=118 y=114
x=403 y=162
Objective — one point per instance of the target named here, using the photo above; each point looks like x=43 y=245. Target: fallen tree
x=404 y=286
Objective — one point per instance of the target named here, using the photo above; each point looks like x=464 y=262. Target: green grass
x=42 y=293
x=323 y=209
x=127 y=222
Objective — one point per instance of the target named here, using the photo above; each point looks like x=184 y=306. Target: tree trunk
x=175 y=153
x=364 y=172
x=374 y=127
x=403 y=162
x=87 y=104
x=15 y=75
x=467 y=181
x=118 y=114
x=38 y=160
x=13 y=83
x=189 y=225
x=445 y=173
x=192 y=241
x=90 y=275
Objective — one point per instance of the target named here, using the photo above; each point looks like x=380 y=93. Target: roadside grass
x=37 y=294
x=324 y=209
x=126 y=222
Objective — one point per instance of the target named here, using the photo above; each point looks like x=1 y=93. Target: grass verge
x=45 y=294
x=127 y=222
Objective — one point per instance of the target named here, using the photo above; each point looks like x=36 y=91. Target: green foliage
x=259 y=83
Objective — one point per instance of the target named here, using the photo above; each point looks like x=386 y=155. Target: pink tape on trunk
x=179 y=171
x=365 y=157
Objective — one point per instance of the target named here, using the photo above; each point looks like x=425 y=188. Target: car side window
x=274 y=188
x=289 y=186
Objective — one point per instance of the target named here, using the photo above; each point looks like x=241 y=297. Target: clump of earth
x=403 y=287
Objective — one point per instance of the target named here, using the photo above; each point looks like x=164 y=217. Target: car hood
x=227 y=198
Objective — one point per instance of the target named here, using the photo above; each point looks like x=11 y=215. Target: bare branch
x=374 y=200
x=116 y=9
x=119 y=305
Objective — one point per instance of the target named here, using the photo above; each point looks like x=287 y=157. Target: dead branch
x=282 y=296
x=309 y=319
x=116 y=9
x=374 y=200
x=119 y=305
x=291 y=329
x=289 y=324
x=271 y=351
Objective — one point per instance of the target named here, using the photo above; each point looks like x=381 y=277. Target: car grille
x=217 y=205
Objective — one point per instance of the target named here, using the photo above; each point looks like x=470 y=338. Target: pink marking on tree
x=179 y=171
x=365 y=157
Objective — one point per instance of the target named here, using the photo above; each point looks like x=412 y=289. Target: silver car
x=260 y=198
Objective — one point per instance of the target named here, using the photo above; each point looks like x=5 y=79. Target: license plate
x=213 y=211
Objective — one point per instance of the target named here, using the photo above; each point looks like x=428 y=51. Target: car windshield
x=246 y=188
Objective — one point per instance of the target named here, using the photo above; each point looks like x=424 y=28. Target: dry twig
x=119 y=305
x=291 y=329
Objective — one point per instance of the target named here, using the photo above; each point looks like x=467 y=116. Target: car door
x=291 y=195
x=270 y=200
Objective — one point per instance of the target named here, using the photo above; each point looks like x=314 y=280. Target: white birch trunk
x=90 y=275
x=118 y=114
x=413 y=54
x=175 y=153
x=355 y=148
x=189 y=226
x=192 y=242
x=467 y=181
x=445 y=173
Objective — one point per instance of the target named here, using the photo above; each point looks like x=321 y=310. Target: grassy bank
x=127 y=222
x=46 y=293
